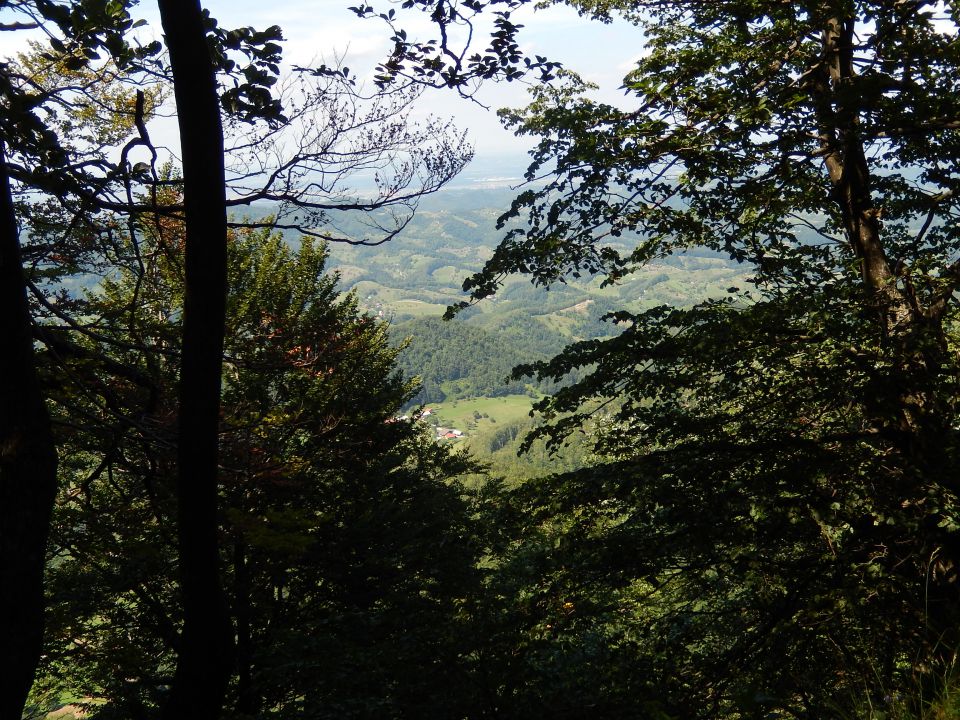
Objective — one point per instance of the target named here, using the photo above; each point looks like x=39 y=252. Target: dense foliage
x=775 y=523
x=347 y=545
x=454 y=361
x=762 y=516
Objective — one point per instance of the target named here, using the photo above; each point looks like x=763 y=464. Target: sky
x=321 y=31
x=325 y=31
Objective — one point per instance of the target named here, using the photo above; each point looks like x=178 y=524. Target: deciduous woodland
x=219 y=492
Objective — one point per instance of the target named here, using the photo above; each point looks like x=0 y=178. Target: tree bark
x=846 y=161
x=205 y=659
x=906 y=328
x=28 y=474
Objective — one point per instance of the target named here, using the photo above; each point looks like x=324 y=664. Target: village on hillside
x=441 y=433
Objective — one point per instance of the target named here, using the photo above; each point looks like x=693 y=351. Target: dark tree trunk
x=205 y=659
x=846 y=163
x=28 y=474
x=912 y=333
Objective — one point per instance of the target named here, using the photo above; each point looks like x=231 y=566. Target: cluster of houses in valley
x=442 y=433
x=448 y=433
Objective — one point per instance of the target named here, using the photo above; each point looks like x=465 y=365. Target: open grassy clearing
x=500 y=410
x=417 y=308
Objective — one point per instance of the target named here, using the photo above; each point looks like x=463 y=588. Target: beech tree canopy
x=778 y=462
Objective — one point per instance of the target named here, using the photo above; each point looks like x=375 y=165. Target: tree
x=780 y=462
x=348 y=549
x=90 y=203
x=28 y=465
x=28 y=468
x=205 y=656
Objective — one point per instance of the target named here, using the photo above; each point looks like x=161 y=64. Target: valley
x=464 y=365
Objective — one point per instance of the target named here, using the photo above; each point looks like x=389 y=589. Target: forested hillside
x=454 y=233
x=413 y=282
x=453 y=361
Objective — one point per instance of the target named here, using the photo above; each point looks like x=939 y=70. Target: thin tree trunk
x=905 y=327
x=205 y=660
x=28 y=474
x=846 y=161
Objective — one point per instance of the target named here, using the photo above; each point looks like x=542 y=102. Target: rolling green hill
x=421 y=272
x=411 y=281
x=465 y=364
